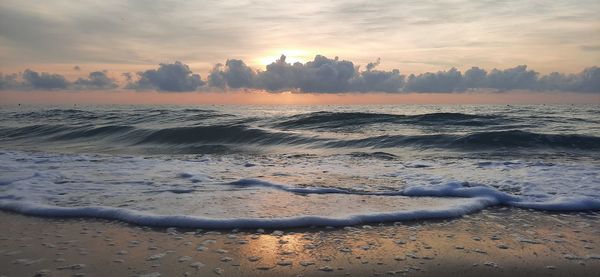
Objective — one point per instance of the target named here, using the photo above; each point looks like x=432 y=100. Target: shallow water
x=294 y=166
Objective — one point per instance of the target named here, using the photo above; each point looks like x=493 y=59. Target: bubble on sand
x=254 y=258
x=306 y=263
x=502 y=246
x=226 y=259
x=326 y=268
x=73 y=267
x=184 y=259
x=152 y=274
x=284 y=263
x=196 y=265
x=156 y=256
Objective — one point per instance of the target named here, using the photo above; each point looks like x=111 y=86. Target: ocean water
x=296 y=166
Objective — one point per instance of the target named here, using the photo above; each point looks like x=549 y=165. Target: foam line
x=266 y=184
x=185 y=221
x=452 y=189
x=476 y=198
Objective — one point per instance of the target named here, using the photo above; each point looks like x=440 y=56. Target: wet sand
x=495 y=242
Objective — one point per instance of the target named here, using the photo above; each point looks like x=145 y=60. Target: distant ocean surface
x=296 y=166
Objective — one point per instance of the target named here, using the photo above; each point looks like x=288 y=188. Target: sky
x=233 y=45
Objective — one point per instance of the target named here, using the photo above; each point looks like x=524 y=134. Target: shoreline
x=496 y=242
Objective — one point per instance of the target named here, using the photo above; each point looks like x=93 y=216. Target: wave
x=374 y=155
x=321 y=120
x=475 y=141
x=517 y=138
x=451 y=189
x=221 y=133
x=133 y=116
x=476 y=198
x=187 y=221
x=195 y=139
x=219 y=138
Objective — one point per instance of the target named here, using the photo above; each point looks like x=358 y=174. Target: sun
x=291 y=56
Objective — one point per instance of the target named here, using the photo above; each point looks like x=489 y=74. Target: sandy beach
x=299 y=138
x=495 y=242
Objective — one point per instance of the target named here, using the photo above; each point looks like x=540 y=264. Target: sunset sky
x=75 y=38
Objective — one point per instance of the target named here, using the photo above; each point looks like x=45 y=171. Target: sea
x=286 y=166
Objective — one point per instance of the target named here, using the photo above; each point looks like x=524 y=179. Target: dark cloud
x=96 y=80
x=216 y=78
x=280 y=75
x=513 y=78
x=44 y=80
x=325 y=75
x=475 y=77
x=32 y=80
x=377 y=80
x=235 y=74
x=372 y=65
x=8 y=81
x=321 y=75
x=590 y=80
x=442 y=81
x=175 y=77
x=586 y=81
x=558 y=81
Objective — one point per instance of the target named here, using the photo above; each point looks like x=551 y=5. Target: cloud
x=377 y=80
x=44 y=80
x=279 y=75
x=32 y=80
x=513 y=78
x=442 y=81
x=475 y=77
x=235 y=74
x=321 y=75
x=590 y=80
x=372 y=65
x=175 y=77
x=325 y=75
x=142 y=32
x=8 y=81
x=216 y=77
x=586 y=81
x=96 y=80
x=128 y=76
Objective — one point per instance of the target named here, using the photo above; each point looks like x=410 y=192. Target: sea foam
x=475 y=199
x=211 y=191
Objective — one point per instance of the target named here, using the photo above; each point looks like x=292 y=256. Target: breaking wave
x=239 y=135
x=323 y=120
x=476 y=198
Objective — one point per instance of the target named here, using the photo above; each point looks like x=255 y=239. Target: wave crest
x=321 y=120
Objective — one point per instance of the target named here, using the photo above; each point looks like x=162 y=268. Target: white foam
x=565 y=204
x=452 y=189
x=501 y=198
x=265 y=184
x=335 y=191
x=185 y=221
